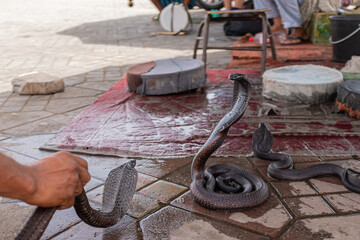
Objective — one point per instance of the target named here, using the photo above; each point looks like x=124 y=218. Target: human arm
x=52 y=181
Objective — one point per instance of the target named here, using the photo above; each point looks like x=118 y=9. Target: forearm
x=16 y=180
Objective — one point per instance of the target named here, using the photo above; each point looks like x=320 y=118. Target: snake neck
x=241 y=96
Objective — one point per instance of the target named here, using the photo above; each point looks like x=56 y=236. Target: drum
x=174 y=18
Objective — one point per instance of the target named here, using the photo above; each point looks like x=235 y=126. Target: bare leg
x=278 y=25
x=239 y=3
x=227 y=5
x=157 y=4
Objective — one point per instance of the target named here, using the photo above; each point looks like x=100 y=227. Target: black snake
x=281 y=168
x=226 y=186
x=119 y=189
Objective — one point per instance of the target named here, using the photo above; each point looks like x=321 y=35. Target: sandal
x=292 y=40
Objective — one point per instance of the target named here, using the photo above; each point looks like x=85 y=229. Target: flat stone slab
x=37 y=83
x=304 y=84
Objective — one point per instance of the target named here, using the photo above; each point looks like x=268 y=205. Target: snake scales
x=119 y=189
x=226 y=186
x=282 y=166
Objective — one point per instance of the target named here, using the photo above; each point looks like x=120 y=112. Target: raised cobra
x=118 y=191
x=282 y=167
x=226 y=186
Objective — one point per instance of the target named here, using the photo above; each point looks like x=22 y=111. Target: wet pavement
x=90 y=44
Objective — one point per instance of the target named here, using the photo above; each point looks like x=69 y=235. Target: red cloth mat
x=125 y=124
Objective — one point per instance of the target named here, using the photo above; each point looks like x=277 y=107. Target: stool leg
x=272 y=44
x=206 y=37
x=264 y=45
x=198 y=37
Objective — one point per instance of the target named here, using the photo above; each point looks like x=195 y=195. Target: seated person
x=160 y=4
x=286 y=15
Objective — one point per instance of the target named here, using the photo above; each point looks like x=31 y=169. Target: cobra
x=282 y=167
x=226 y=186
x=119 y=189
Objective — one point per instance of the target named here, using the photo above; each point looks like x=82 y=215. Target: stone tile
x=103 y=86
x=309 y=206
x=28 y=146
x=62 y=220
x=9 y=120
x=11 y=109
x=328 y=185
x=18 y=157
x=3 y=136
x=160 y=167
x=92 y=184
x=268 y=218
x=96 y=195
x=345 y=202
x=339 y=227
x=292 y=189
x=13 y=217
x=181 y=176
x=39 y=98
x=176 y=224
x=73 y=80
x=163 y=191
x=76 y=92
x=144 y=180
x=37 y=103
x=44 y=126
x=336 y=158
x=328 y=145
x=32 y=108
x=125 y=229
x=141 y=205
x=64 y=105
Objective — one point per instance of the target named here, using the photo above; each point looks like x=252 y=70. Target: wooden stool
x=256 y=16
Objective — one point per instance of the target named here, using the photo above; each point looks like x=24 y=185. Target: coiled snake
x=226 y=186
x=118 y=191
x=281 y=168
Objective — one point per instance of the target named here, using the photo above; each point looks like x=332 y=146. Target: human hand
x=58 y=179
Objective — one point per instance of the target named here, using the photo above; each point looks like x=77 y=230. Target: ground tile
x=339 y=227
x=163 y=191
x=328 y=145
x=292 y=189
x=144 y=180
x=328 y=185
x=345 y=202
x=308 y=206
x=125 y=229
x=61 y=220
x=18 y=157
x=160 y=167
x=43 y=126
x=104 y=86
x=75 y=92
x=181 y=176
x=176 y=224
x=64 y=105
x=268 y=218
x=9 y=120
x=13 y=217
x=142 y=205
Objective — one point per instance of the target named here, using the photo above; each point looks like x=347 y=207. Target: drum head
x=180 y=18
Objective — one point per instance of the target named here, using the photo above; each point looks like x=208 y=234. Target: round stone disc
x=348 y=98
x=302 y=84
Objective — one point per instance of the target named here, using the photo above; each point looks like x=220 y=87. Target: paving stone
x=125 y=229
x=104 y=86
x=163 y=191
x=144 y=180
x=345 y=202
x=18 y=157
x=160 y=167
x=76 y=92
x=62 y=219
x=28 y=146
x=12 y=218
x=64 y=105
x=292 y=189
x=74 y=80
x=141 y=205
x=37 y=83
x=328 y=185
x=9 y=120
x=44 y=126
x=309 y=206
x=339 y=227
x=268 y=218
x=181 y=176
x=172 y=223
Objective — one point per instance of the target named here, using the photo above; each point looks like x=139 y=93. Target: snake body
x=226 y=186
x=281 y=168
x=119 y=189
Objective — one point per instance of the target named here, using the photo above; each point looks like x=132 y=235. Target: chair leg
x=198 y=37
x=272 y=43
x=206 y=37
x=264 y=44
